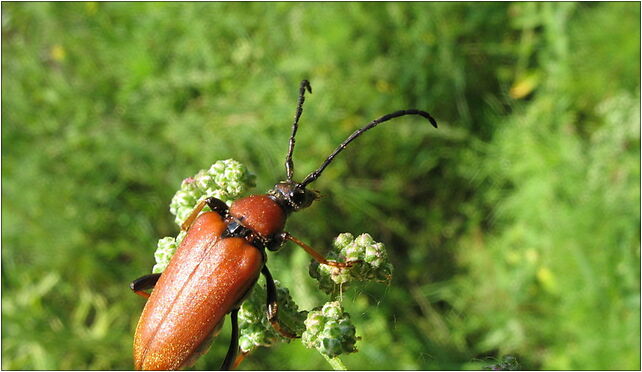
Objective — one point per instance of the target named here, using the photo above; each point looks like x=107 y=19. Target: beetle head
x=291 y=196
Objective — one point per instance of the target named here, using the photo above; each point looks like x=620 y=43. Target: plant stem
x=336 y=363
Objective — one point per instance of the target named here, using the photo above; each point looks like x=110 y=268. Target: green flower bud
x=164 y=252
x=329 y=330
x=373 y=263
x=343 y=240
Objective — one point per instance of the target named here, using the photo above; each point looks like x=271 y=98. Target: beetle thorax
x=259 y=213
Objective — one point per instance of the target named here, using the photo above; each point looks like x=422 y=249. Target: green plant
x=513 y=229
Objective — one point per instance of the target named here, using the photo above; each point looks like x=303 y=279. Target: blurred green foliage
x=514 y=228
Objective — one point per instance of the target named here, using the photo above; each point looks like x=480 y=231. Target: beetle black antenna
x=314 y=175
x=289 y=164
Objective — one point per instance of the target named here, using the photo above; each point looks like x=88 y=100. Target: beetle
x=219 y=261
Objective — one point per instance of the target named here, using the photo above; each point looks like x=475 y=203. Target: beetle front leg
x=144 y=283
x=230 y=358
x=273 y=305
x=316 y=255
x=216 y=205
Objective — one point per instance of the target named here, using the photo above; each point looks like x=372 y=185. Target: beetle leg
x=316 y=255
x=143 y=283
x=216 y=205
x=239 y=359
x=234 y=343
x=273 y=305
x=192 y=216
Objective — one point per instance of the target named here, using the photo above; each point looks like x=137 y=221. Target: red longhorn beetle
x=218 y=262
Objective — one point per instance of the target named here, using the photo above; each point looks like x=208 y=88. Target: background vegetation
x=514 y=228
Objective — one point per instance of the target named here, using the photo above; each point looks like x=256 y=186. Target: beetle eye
x=297 y=197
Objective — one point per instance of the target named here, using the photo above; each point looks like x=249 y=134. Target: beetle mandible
x=219 y=261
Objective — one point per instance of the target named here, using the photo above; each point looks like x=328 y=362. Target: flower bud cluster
x=255 y=328
x=369 y=257
x=225 y=180
x=165 y=250
x=329 y=330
